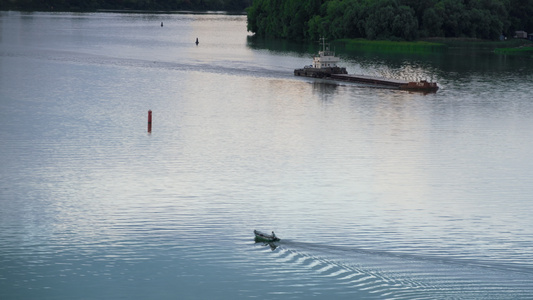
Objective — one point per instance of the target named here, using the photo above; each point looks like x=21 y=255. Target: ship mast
x=323 y=41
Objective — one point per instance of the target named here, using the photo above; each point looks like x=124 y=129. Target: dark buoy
x=149 y=121
x=197 y=42
x=161 y=24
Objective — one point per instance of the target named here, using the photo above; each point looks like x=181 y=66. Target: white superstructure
x=325 y=58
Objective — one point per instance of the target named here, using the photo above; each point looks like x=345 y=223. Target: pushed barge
x=325 y=66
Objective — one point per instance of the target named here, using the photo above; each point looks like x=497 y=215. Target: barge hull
x=369 y=80
x=394 y=83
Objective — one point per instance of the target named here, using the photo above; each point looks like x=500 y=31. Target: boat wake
x=352 y=272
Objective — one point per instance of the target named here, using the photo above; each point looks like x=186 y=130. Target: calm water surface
x=376 y=193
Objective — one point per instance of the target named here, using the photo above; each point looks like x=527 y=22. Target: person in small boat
x=273 y=234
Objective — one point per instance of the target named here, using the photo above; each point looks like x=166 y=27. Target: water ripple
x=400 y=276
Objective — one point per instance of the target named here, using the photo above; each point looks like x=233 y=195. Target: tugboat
x=325 y=66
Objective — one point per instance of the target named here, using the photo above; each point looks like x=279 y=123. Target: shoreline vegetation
x=518 y=51
x=435 y=45
x=396 y=20
x=390 y=46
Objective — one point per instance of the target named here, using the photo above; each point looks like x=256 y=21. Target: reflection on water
x=280 y=46
x=376 y=193
x=272 y=245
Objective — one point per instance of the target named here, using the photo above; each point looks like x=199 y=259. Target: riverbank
x=519 y=47
x=512 y=46
x=525 y=50
x=384 y=46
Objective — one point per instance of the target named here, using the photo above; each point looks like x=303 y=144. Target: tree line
x=389 y=19
x=147 y=5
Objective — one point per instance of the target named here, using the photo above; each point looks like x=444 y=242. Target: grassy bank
x=478 y=43
x=524 y=51
x=508 y=47
x=418 y=47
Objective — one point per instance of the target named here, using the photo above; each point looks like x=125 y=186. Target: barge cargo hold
x=422 y=85
x=325 y=66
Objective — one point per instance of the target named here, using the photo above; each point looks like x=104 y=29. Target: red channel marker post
x=149 y=121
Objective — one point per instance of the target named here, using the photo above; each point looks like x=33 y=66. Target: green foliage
x=283 y=18
x=520 y=47
x=389 y=19
x=515 y=51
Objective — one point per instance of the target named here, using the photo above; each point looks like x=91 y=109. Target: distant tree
x=453 y=13
x=353 y=19
x=315 y=28
x=334 y=19
x=389 y=19
x=520 y=16
x=377 y=24
x=405 y=24
x=432 y=21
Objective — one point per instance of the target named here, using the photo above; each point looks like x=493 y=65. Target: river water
x=375 y=193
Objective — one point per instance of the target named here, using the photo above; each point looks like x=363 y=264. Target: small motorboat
x=266 y=238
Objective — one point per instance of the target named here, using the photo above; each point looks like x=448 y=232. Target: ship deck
x=369 y=79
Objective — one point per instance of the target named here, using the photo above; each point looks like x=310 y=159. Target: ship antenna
x=323 y=40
